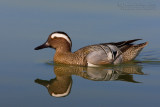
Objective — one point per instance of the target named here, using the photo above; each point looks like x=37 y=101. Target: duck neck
x=63 y=49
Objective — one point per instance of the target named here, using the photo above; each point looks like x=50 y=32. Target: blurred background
x=25 y=24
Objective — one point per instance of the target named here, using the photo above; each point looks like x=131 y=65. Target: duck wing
x=123 y=45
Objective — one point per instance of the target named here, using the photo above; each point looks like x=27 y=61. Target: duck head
x=57 y=40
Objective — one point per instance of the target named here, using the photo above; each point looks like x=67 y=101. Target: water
x=27 y=24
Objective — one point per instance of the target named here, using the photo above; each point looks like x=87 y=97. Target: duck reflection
x=61 y=85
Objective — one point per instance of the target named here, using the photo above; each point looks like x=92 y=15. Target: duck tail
x=133 y=51
x=142 y=45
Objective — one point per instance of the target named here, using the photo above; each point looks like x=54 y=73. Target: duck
x=112 y=53
x=61 y=85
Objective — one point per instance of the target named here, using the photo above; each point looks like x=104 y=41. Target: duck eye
x=54 y=37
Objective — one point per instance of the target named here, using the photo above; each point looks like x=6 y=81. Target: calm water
x=28 y=77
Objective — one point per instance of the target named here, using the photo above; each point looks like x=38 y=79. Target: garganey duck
x=92 y=55
x=61 y=85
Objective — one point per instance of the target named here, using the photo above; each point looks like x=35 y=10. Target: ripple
x=149 y=57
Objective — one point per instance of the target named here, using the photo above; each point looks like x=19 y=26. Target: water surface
x=27 y=24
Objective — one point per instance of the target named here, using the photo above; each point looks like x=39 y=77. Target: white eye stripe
x=62 y=36
x=63 y=94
